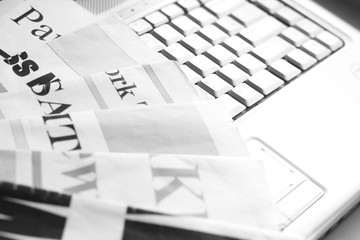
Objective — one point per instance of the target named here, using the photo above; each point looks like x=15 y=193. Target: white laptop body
x=313 y=123
x=308 y=132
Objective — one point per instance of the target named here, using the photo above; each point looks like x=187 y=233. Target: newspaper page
x=7 y=5
x=146 y=84
x=40 y=214
x=28 y=24
x=104 y=45
x=230 y=189
x=199 y=128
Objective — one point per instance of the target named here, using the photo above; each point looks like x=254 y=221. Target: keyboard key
x=214 y=85
x=308 y=27
x=202 y=65
x=172 y=11
x=271 y=6
x=229 y=25
x=284 y=70
x=272 y=50
x=152 y=42
x=231 y=106
x=237 y=46
x=177 y=53
x=262 y=30
x=202 y=17
x=167 y=34
x=192 y=76
x=245 y=94
x=233 y=75
x=249 y=64
x=185 y=25
x=213 y=34
x=221 y=8
x=265 y=82
x=141 y=26
x=196 y=44
x=315 y=49
x=188 y=4
x=329 y=40
x=294 y=36
x=288 y=15
x=220 y=55
x=300 y=59
x=156 y=18
x=248 y=14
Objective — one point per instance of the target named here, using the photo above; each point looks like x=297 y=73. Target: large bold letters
x=124 y=91
x=64 y=139
x=32 y=15
x=176 y=184
x=44 y=82
x=59 y=109
x=25 y=67
x=43 y=33
x=11 y=60
x=35 y=16
x=85 y=184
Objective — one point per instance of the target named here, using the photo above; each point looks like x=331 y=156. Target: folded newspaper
x=230 y=189
x=147 y=84
x=201 y=127
x=28 y=24
x=7 y=5
x=104 y=45
x=29 y=213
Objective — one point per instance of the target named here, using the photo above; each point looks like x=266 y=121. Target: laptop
x=288 y=73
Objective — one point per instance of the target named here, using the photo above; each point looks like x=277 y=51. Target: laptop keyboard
x=237 y=51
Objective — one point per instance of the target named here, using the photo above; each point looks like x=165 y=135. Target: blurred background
x=349 y=10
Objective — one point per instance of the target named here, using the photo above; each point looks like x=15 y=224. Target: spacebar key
x=262 y=30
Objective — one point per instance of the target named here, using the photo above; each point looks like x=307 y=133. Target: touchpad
x=292 y=190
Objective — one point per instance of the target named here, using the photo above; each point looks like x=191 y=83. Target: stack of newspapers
x=103 y=138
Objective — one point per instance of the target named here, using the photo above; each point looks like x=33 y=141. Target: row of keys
x=247 y=65
x=263 y=82
x=199 y=17
x=234 y=50
x=246 y=14
x=233 y=74
x=244 y=90
x=183 y=26
x=243 y=12
x=212 y=35
x=218 y=56
x=246 y=94
x=231 y=48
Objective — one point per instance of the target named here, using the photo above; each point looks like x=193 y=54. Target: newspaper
x=104 y=45
x=200 y=128
x=40 y=214
x=147 y=84
x=7 y=5
x=230 y=189
x=28 y=24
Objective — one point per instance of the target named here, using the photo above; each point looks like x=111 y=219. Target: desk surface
x=349 y=229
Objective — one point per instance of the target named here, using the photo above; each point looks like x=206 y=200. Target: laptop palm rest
x=292 y=190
